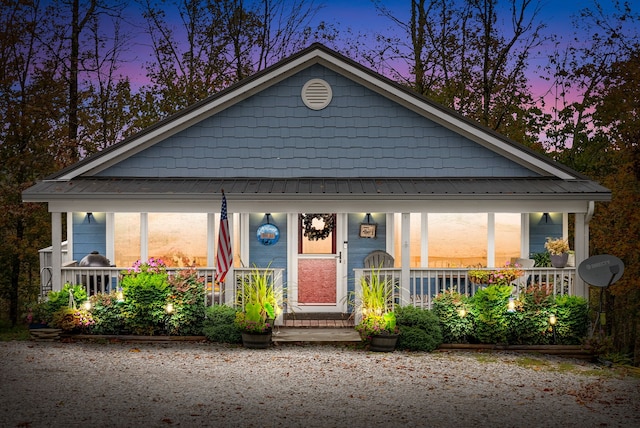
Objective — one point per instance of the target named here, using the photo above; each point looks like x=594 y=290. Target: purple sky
x=361 y=17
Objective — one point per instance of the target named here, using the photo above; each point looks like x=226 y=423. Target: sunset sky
x=361 y=17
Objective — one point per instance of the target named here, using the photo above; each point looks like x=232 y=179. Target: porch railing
x=107 y=279
x=425 y=284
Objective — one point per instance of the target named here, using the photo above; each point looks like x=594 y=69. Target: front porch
x=418 y=287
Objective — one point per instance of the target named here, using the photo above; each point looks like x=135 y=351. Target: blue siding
x=89 y=236
x=541 y=227
x=360 y=247
x=360 y=134
x=263 y=255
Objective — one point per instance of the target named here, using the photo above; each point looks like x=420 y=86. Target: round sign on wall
x=268 y=234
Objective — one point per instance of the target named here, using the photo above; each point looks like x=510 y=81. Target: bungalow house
x=322 y=161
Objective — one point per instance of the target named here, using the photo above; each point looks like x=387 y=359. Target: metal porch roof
x=316 y=188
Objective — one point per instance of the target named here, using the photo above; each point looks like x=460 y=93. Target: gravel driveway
x=52 y=384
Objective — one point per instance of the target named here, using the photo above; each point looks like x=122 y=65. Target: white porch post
x=110 y=244
x=211 y=239
x=144 y=237
x=424 y=242
x=405 y=252
x=525 y=252
x=582 y=249
x=56 y=251
x=491 y=240
x=69 y=238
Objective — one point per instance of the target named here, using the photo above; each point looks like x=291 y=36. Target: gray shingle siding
x=273 y=134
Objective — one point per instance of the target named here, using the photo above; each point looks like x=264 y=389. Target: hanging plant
x=311 y=232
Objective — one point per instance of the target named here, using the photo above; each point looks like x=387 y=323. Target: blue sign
x=268 y=234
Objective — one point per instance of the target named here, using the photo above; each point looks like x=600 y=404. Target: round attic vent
x=316 y=94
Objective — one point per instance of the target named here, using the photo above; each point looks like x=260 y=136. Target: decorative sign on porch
x=267 y=233
x=368 y=229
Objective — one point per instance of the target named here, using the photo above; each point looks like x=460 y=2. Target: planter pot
x=383 y=343
x=256 y=340
x=34 y=326
x=559 y=260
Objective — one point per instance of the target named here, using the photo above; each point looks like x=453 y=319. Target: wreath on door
x=311 y=232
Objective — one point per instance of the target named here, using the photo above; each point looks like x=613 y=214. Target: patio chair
x=520 y=283
x=379 y=259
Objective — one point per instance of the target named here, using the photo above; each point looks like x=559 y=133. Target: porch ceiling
x=317 y=189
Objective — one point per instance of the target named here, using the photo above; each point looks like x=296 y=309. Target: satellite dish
x=601 y=270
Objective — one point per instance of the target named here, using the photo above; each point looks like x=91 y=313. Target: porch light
x=552 y=319
x=86 y=305
x=89 y=215
x=511 y=306
x=169 y=308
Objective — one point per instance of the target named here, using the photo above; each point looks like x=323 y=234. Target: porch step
x=318 y=335
x=318 y=323
x=317 y=316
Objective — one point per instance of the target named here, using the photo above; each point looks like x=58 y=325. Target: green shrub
x=419 y=329
x=489 y=321
x=219 y=324
x=572 y=313
x=489 y=310
x=146 y=293
x=186 y=294
x=107 y=313
x=452 y=310
x=57 y=300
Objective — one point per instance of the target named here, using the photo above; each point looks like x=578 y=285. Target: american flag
x=224 y=259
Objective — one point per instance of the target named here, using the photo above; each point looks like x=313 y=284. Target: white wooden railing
x=107 y=279
x=422 y=287
x=425 y=284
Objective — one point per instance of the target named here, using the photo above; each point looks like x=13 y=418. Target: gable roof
x=95 y=169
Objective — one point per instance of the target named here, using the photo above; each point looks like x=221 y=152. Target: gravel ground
x=52 y=384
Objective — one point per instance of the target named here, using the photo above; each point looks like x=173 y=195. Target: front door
x=320 y=276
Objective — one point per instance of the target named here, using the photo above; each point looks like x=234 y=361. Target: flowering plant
x=36 y=313
x=153 y=265
x=376 y=325
x=556 y=246
x=502 y=276
x=251 y=324
x=70 y=319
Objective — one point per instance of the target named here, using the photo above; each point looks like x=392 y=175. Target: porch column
x=581 y=245
x=56 y=251
x=491 y=240
x=405 y=257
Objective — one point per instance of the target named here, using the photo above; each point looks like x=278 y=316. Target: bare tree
x=471 y=56
x=226 y=41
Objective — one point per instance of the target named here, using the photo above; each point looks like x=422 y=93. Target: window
x=508 y=236
x=457 y=239
x=180 y=239
x=127 y=238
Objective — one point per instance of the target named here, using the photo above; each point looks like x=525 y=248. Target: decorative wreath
x=317 y=234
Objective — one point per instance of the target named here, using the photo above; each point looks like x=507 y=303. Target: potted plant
x=377 y=326
x=558 y=249
x=260 y=303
